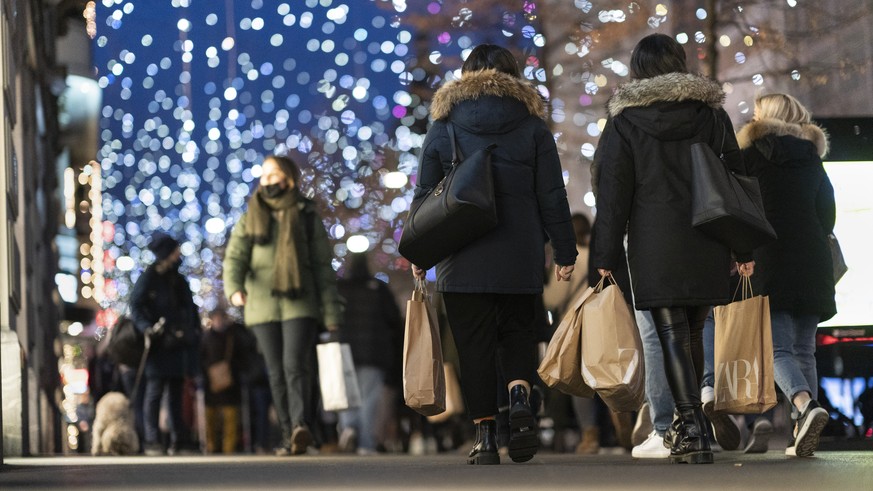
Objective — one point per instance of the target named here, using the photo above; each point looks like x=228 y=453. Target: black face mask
x=274 y=190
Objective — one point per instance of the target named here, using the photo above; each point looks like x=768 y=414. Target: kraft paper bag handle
x=746 y=283
x=419 y=293
x=600 y=284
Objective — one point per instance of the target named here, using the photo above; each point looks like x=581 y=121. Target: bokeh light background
x=196 y=93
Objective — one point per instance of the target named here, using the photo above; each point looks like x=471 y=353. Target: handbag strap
x=457 y=156
x=723 y=133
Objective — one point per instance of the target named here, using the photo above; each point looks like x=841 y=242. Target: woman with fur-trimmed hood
x=643 y=184
x=491 y=287
x=783 y=148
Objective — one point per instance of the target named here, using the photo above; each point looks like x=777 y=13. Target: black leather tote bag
x=456 y=212
x=726 y=206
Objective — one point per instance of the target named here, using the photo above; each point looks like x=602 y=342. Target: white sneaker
x=652 y=448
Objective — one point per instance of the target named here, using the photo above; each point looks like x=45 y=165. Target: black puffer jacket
x=491 y=107
x=795 y=270
x=642 y=176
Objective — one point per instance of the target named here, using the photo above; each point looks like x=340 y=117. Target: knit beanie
x=162 y=245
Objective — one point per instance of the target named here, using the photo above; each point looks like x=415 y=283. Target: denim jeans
x=708 y=379
x=289 y=350
x=794 y=352
x=154 y=393
x=363 y=419
x=657 y=388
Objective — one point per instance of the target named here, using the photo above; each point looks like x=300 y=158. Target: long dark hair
x=657 y=54
x=288 y=167
x=491 y=56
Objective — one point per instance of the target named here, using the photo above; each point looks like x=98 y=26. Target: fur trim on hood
x=473 y=85
x=670 y=87
x=759 y=129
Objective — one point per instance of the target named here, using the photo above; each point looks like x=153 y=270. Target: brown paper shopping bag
x=744 y=380
x=612 y=352
x=561 y=367
x=424 y=381
x=454 y=399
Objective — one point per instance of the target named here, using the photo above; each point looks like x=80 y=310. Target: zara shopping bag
x=459 y=210
x=744 y=380
x=561 y=367
x=724 y=205
x=612 y=352
x=337 y=378
x=424 y=379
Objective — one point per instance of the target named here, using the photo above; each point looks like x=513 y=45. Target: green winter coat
x=249 y=267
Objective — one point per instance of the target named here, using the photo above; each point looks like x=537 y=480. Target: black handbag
x=726 y=206
x=126 y=342
x=457 y=211
x=837 y=258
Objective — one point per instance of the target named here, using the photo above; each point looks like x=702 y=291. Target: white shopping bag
x=337 y=378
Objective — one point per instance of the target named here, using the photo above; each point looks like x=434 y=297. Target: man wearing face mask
x=162 y=292
x=277 y=267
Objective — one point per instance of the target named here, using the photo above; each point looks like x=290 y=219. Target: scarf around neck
x=286 y=211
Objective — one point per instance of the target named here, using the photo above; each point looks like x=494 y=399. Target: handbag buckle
x=439 y=189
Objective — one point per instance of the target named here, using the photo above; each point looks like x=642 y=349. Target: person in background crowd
x=491 y=287
x=162 y=294
x=783 y=148
x=223 y=341
x=278 y=267
x=644 y=161
x=372 y=324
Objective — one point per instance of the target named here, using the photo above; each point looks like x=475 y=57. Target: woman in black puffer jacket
x=491 y=287
x=783 y=148
x=643 y=178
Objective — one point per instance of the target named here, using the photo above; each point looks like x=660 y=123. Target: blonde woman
x=783 y=148
x=278 y=268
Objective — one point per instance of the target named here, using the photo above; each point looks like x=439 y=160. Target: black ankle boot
x=673 y=430
x=690 y=444
x=523 y=438
x=485 y=449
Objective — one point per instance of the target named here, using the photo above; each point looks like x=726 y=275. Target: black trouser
x=486 y=326
x=680 y=330
x=289 y=350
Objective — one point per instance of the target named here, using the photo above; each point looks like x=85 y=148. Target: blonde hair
x=782 y=107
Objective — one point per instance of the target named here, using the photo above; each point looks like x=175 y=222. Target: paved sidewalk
x=843 y=471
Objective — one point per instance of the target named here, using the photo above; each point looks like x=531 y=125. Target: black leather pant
x=680 y=330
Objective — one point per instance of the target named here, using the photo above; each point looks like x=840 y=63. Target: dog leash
x=147 y=344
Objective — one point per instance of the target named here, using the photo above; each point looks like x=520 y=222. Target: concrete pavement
x=843 y=471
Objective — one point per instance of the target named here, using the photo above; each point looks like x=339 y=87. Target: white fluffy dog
x=114 y=432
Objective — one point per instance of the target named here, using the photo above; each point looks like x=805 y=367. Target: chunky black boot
x=485 y=448
x=690 y=444
x=523 y=438
x=673 y=430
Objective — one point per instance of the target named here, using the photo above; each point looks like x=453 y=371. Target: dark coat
x=490 y=107
x=796 y=270
x=214 y=347
x=643 y=184
x=373 y=326
x=167 y=295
